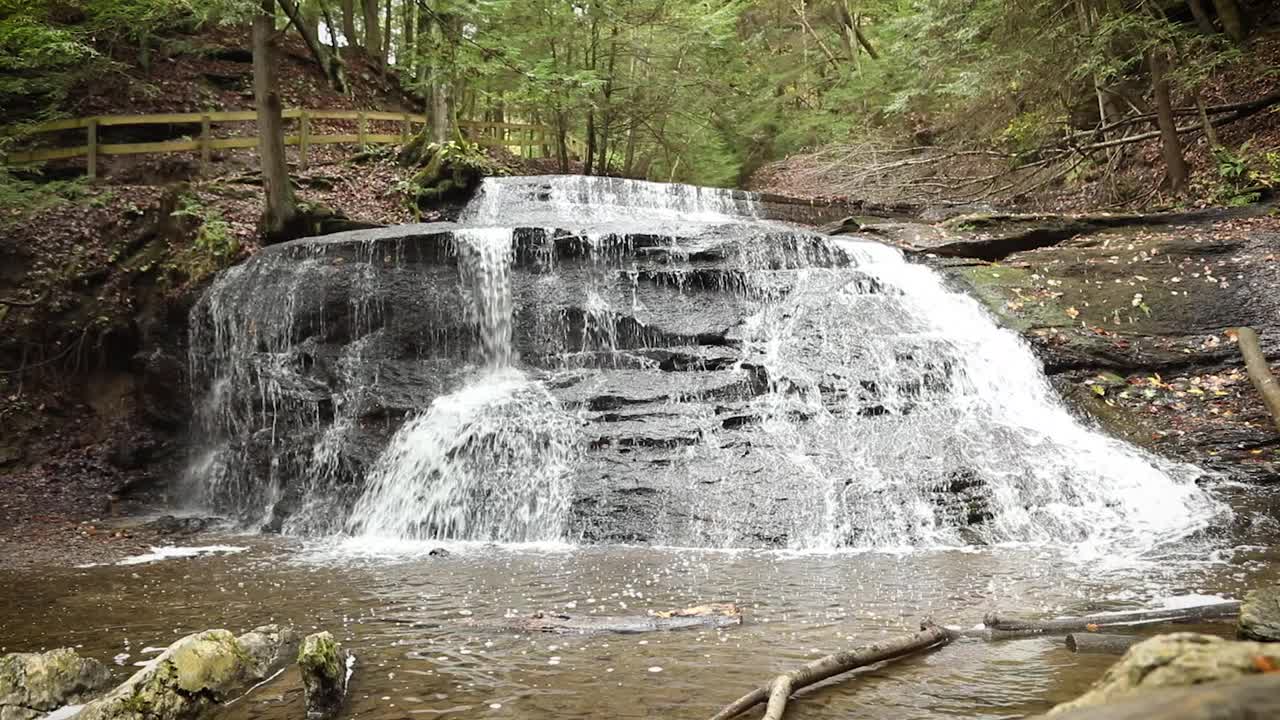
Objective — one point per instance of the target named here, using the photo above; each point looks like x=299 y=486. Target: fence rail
x=493 y=134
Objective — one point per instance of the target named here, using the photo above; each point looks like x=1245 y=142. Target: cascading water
x=606 y=360
x=490 y=461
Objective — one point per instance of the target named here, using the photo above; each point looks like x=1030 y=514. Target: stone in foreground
x=324 y=666
x=1178 y=659
x=1260 y=615
x=1256 y=696
x=195 y=673
x=32 y=684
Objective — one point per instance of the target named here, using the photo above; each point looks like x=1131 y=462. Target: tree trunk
x=562 y=141
x=330 y=65
x=1202 y=18
x=1170 y=144
x=349 y=23
x=408 y=47
x=1260 y=371
x=1234 y=22
x=440 y=120
x=386 y=46
x=602 y=166
x=281 y=212
x=589 y=160
x=372 y=41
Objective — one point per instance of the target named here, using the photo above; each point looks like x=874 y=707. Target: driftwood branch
x=1101 y=643
x=778 y=690
x=1260 y=371
x=1243 y=111
x=1010 y=627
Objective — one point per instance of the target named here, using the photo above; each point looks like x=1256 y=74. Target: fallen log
x=1100 y=643
x=1257 y=696
x=780 y=688
x=1260 y=371
x=1009 y=627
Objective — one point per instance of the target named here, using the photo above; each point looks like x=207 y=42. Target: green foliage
x=1245 y=173
x=20 y=197
x=214 y=246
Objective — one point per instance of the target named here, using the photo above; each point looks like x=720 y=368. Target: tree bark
x=832 y=665
x=372 y=40
x=281 y=213
x=409 y=47
x=1234 y=22
x=349 y=23
x=1170 y=144
x=441 y=112
x=1202 y=18
x=330 y=65
x=1260 y=371
x=385 y=58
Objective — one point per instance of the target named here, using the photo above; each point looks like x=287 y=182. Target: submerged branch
x=780 y=688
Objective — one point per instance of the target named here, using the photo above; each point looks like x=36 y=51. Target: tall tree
x=349 y=23
x=1234 y=22
x=372 y=39
x=280 y=216
x=1170 y=144
x=331 y=64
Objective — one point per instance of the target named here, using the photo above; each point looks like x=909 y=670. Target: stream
x=416 y=622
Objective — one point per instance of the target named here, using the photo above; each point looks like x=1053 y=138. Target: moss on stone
x=1175 y=660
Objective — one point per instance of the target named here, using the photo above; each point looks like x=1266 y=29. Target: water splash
x=489 y=462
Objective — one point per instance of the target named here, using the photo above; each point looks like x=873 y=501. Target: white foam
x=169 y=552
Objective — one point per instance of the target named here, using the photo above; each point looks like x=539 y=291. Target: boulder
x=195 y=673
x=32 y=684
x=1256 y=696
x=1174 y=660
x=324 y=666
x=1260 y=615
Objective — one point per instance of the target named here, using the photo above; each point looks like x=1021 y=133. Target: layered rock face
x=609 y=361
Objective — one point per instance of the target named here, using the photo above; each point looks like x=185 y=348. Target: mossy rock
x=34 y=683
x=193 y=674
x=323 y=664
x=448 y=172
x=1175 y=660
x=1260 y=615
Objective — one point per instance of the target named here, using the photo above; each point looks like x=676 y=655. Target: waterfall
x=606 y=360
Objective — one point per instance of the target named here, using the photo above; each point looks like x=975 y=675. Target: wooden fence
x=484 y=133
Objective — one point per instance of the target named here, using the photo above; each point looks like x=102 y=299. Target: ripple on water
x=422 y=625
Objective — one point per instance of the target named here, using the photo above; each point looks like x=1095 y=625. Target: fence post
x=206 y=144
x=92 y=164
x=304 y=139
x=363 y=128
x=404 y=130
